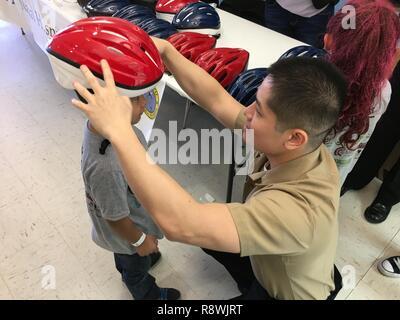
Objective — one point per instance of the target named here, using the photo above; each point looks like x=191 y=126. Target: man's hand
x=108 y=111
x=149 y=246
x=199 y=85
x=161 y=45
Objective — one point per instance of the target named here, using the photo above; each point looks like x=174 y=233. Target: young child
x=120 y=224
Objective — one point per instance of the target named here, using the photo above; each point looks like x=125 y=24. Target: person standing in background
x=381 y=144
x=304 y=20
x=367 y=56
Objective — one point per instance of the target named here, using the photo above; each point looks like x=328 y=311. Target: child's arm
x=128 y=231
x=109 y=192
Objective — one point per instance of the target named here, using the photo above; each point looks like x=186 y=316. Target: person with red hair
x=366 y=55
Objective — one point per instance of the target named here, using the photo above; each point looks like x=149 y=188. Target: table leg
x=231 y=173
x=187 y=109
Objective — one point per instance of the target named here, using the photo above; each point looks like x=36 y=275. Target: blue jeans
x=134 y=271
x=309 y=30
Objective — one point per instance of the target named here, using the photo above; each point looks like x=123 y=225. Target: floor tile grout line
x=373 y=266
x=9 y=289
x=77 y=258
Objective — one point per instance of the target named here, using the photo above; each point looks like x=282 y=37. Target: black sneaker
x=169 y=294
x=157 y=293
x=344 y=189
x=155 y=259
x=238 y=297
x=377 y=212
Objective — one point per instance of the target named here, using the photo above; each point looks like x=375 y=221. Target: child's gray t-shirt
x=108 y=196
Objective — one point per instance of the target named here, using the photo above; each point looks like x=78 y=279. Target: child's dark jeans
x=134 y=270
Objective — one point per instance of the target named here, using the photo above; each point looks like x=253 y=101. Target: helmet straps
x=103 y=147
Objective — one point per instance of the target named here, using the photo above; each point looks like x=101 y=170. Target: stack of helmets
x=244 y=88
x=192 y=44
x=224 y=64
x=157 y=27
x=107 y=8
x=134 y=13
x=167 y=9
x=304 y=51
x=83 y=3
x=133 y=57
x=198 y=17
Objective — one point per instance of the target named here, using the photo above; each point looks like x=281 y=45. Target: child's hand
x=150 y=245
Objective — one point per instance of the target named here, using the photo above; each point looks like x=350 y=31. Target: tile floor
x=43 y=218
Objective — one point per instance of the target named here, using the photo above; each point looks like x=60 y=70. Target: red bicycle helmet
x=224 y=64
x=131 y=54
x=192 y=44
x=166 y=9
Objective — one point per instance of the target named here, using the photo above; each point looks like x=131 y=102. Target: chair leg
x=22 y=31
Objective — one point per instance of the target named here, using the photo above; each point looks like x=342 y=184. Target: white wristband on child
x=140 y=241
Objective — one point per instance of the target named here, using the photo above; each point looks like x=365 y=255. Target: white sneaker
x=390 y=267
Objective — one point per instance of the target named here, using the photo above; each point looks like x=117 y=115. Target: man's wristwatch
x=140 y=241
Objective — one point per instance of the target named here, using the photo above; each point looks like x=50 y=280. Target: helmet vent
x=150 y=57
x=115 y=50
x=186 y=17
x=212 y=68
x=230 y=60
x=114 y=34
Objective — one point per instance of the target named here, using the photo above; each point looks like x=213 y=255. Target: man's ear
x=297 y=138
x=328 y=41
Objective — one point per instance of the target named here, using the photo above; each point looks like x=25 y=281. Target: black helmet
x=198 y=17
x=244 y=88
x=157 y=28
x=134 y=13
x=104 y=7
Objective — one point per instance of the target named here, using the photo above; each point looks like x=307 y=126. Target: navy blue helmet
x=197 y=16
x=304 y=51
x=245 y=86
x=157 y=28
x=104 y=7
x=134 y=13
x=83 y=3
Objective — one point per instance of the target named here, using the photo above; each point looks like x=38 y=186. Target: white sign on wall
x=10 y=11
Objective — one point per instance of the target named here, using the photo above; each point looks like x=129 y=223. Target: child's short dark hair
x=81 y=98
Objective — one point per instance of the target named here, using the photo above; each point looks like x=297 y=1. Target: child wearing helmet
x=120 y=224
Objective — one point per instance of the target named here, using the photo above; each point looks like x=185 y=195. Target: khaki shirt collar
x=285 y=172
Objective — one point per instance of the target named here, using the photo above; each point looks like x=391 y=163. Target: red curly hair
x=366 y=56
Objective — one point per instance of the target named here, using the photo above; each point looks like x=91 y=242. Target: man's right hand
x=150 y=245
x=161 y=45
x=199 y=85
